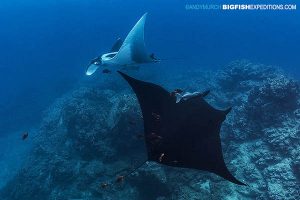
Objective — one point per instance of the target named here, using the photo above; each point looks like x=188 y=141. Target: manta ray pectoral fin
x=224 y=113
x=224 y=172
x=117 y=45
x=133 y=49
x=227 y=110
x=144 y=89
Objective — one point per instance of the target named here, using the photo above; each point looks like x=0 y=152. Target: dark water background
x=45 y=46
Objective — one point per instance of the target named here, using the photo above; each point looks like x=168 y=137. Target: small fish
x=178 y=90
x=120 y=179
x=106 y=71
x=104 y=185
x=152 y=56
x=161 y=157
x=25 y=135
x=175 y=161
x=156 y=116
x=154 y=136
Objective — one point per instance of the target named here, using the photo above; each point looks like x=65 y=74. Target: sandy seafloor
x=88 y=136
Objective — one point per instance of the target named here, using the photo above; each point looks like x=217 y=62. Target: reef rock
x=90 y=136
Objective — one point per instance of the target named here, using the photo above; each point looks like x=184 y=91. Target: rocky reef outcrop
x=90 y=136
x=265 y=129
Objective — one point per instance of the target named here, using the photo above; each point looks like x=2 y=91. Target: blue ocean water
x=45 y=46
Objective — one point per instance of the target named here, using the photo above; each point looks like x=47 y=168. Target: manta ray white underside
x=131 y=52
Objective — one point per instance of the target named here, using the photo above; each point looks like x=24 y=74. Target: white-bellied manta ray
x=128 y=53
x=182 y=134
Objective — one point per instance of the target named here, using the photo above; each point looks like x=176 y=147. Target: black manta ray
x=184 y=134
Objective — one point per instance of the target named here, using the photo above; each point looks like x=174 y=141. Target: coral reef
x=91 y=135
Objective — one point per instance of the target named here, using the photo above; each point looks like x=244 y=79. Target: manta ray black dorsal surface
x=184 y=134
